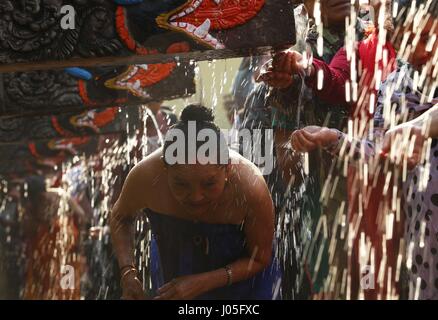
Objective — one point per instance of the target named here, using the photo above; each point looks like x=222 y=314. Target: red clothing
x=336 y=74
x=55 y=245
x=368 y=54
x=385 y=65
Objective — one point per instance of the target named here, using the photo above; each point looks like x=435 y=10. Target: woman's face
x=196 y=187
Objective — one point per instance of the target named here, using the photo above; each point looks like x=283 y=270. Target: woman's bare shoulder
x=148 y=168
x=143 y=179
x=247 y=176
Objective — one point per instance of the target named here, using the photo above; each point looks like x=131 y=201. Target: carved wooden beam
x=46 y=157
x=31 y=144
x=51 y=92
x=38 y=34
x=21 y=130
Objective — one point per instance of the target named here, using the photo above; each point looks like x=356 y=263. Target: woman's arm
x=430 y=120
x=122 y=231
x=259 y=233
x=288 y=63
x=333 y=141
x=335 y=75
x=410 y=144
x=408 y=140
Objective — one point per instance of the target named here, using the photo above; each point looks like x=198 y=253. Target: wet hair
x=203 y=118
x=36 y=186
x=198 y=113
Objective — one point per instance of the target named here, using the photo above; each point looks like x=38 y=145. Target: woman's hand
x=132 y=288
x=284 y=65
x=183 y=288
x=312 y=137
x=404 y=141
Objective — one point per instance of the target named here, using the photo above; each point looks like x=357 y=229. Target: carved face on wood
x=88 y=122
x=137 y=78
x=29 y=6
x=30 y=30
x=48 y=141
x=55 y=151
x=197 y=18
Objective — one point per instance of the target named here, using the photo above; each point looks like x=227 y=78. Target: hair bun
x=198 y=113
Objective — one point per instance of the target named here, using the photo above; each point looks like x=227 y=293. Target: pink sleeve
x=335 y=76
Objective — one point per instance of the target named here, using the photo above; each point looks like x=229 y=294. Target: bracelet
x=335 y=146
x=229 y=275
x=130 y=266
x=126 y=273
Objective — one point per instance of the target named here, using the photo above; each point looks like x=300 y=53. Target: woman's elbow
x=115 y=218
x=264 y=260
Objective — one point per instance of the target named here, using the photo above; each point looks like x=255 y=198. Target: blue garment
x=181 y=247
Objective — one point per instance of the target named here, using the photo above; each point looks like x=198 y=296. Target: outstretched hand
x=132 y=288
x=279 y=71
x=182 y=288
x=404 y=141
x=312 y=137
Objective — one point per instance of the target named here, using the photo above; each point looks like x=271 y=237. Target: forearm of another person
x=335 y=76
x=430 y=119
